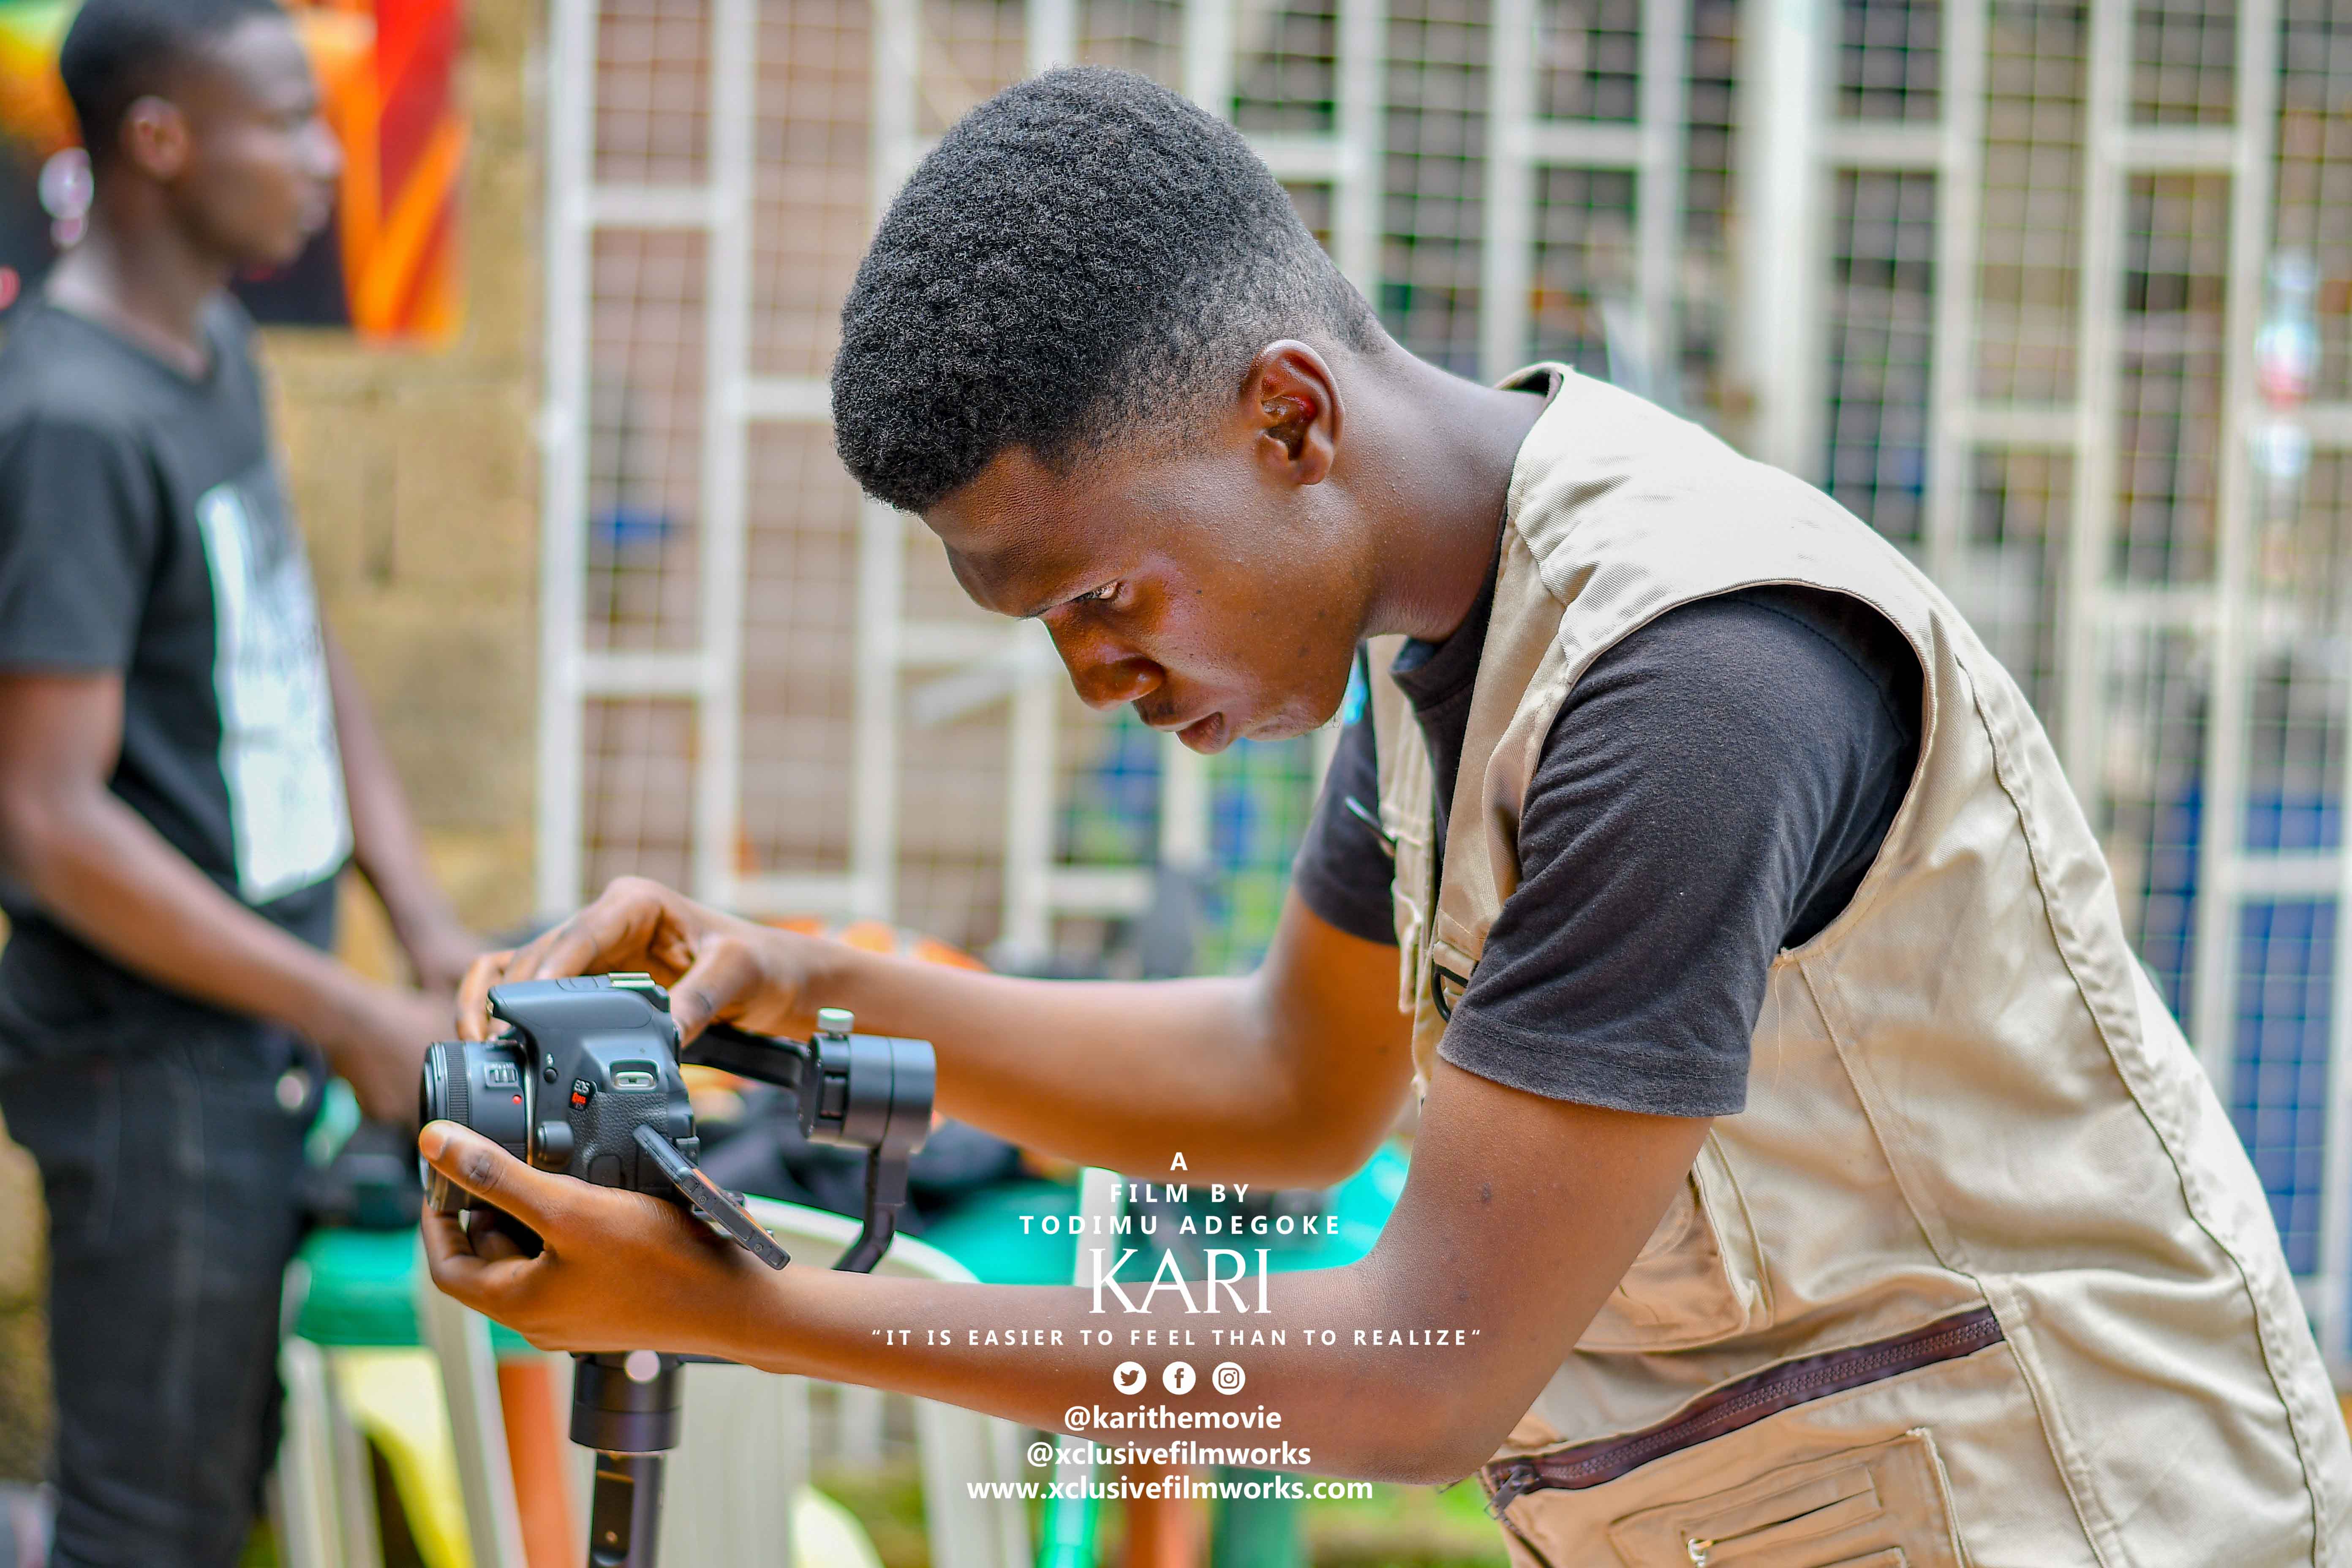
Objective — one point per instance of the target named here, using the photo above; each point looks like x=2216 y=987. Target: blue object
x=2286 y=952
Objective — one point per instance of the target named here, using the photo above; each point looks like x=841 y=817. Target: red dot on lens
x=9 y=283
x=518 y=1099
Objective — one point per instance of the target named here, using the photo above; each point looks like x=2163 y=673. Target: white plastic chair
x=742 y=1456
x=324 y=1504
x=459 y=1338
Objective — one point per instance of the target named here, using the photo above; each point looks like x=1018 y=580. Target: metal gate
x=2016 y=279
x=2050 y=327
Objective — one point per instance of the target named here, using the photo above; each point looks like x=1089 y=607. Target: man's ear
x=155 y=138
x=1291 y=401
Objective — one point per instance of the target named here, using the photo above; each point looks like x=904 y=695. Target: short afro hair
x=120 y=52
x=1084 y=251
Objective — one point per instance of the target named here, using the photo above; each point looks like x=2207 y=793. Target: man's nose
x=1104 y=681
x=326 y=153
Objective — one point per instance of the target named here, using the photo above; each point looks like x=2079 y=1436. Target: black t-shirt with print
x=144 y=529
x=1711 y=792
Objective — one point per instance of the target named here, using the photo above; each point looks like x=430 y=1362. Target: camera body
x=585 y=1081
x=583 y=1064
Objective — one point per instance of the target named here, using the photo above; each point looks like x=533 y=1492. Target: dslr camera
x=584 y=1081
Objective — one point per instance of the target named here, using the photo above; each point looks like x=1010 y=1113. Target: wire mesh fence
x=2038 y=274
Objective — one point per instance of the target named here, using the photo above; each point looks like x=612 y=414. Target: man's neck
x=1443 y=453
x=142 y=277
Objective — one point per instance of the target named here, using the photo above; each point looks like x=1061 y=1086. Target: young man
x=1802 y=1157
x=185 y=766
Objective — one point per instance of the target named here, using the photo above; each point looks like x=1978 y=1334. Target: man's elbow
x=1324 y=1137
x=38 y=828
x=1449 y=1457
x=1438 y=1442
x=1304 y=1151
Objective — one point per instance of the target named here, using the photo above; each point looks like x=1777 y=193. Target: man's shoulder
x=52 y=377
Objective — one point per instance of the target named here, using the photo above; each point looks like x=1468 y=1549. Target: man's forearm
x=1121 y=1074
x=100 y=870
x=1414 y=1403
x=1520 y=1216
x=384 y=843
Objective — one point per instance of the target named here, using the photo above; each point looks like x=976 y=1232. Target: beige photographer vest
x=1981 y=1274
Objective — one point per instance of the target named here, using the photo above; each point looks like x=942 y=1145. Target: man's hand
x=441 y=955
x=618 y=1271
x=101 y=871
x=715 y=965
x=375 y=1042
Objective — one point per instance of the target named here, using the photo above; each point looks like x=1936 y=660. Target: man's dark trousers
x=172 y=1169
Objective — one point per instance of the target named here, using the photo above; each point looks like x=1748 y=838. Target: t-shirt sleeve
x=1710 y=774
x=1345 y=866
x=77 y=538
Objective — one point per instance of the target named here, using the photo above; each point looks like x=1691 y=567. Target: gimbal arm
x=730 y=1050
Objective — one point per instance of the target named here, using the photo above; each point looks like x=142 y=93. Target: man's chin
x=1275 y=727
x=1219 y=731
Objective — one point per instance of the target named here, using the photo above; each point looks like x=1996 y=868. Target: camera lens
x=481 y=1084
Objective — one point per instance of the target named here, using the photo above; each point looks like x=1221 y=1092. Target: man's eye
x=1102 y=595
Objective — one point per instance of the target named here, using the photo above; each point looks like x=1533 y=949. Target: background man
x=1802 y=1154
x=185 y=766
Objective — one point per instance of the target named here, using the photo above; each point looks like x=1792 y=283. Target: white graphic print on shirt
x=279 y=756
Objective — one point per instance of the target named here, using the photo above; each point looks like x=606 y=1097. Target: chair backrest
x=959 y=1448
x=459 y=1338
x=743 y=1456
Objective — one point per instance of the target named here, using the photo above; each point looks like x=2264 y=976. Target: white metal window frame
x=961 y=665
x=1017 y=662
x=1790 y=146
x=1793 y=147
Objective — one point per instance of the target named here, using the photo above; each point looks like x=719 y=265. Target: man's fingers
x=474 y=994
x=490 y=1173
x=460 y=1273
x=493 y=1242
x=617 y=928
x=724 y=973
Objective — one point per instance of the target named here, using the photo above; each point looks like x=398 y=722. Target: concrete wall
x=415 y=477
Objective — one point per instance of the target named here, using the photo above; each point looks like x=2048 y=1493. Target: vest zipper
x=1739 y=1404
x=1510 y=1478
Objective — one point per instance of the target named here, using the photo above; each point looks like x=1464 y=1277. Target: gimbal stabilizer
x=586 y=1080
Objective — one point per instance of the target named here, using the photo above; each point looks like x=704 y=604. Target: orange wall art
x=386 y=266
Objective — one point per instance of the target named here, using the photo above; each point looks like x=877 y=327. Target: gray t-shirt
x=1712 y=792
x=144 y=531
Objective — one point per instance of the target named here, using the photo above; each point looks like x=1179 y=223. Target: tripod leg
x=625 y=1512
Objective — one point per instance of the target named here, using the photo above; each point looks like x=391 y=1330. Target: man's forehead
x=260 y=57
x=1016 y=524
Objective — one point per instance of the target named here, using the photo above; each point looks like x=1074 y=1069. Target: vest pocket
x=1874 y=1507
x=1699 y=1277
